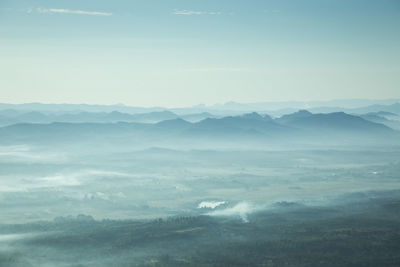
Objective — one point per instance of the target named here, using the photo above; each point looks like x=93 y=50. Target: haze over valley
x=101 y=173
x=199 y=133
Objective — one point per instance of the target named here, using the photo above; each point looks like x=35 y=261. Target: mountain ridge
x=303 y=126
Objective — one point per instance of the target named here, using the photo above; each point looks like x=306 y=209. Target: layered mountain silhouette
x=247 y=124
x=8 y=117
x=198 y=112
x=337 y=121
x=252 y=126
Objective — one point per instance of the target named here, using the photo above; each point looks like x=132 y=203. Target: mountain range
x=10 y=116
x=358 y=106
x=301 y=126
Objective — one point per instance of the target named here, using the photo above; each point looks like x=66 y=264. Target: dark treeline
x=360 y=233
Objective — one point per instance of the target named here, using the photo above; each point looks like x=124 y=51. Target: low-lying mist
x=179 y=194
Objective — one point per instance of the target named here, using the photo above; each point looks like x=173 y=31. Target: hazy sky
x=185 y=52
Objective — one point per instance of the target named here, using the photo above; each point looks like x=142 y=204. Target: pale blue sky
x=186 y=52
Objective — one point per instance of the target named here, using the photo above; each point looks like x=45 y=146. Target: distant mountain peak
x=303 y=112
x=253 y=115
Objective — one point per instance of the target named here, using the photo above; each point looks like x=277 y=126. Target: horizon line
x=396 y=100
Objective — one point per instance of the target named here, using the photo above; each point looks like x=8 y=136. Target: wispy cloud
x=192 y=12
x=69 y=11
x=242 y=209
x=217 y=69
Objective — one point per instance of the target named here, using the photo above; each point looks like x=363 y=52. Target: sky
x=176 y=53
